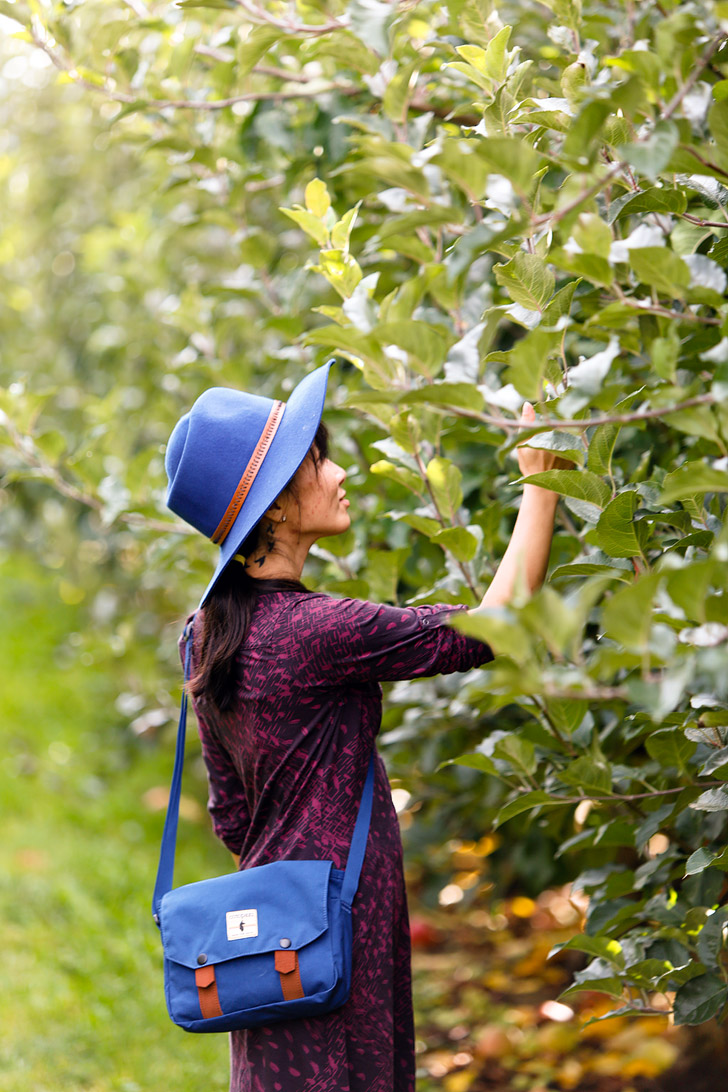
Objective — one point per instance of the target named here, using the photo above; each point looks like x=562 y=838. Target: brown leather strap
x=256 y=461
x=287 y=967
x=207 y=992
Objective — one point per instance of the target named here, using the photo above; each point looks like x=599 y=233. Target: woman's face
x=321 y=506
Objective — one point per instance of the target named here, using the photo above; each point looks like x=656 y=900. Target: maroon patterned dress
x=286 y=769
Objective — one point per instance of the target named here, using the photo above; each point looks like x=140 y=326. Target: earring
x=283 y=519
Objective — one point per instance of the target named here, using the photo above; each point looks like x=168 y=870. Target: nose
x=340 y=473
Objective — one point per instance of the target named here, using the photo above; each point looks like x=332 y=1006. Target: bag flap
x=246 y=913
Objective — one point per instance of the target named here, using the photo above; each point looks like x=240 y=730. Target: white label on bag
x=241 y=924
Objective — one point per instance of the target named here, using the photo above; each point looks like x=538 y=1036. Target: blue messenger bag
x=261 y=945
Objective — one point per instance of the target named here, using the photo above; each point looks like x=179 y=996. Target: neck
x=284 y=562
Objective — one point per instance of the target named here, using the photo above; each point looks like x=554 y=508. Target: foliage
x=471 y=207
x=81 y=816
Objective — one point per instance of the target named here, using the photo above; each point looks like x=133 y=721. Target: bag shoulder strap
x=165 y=869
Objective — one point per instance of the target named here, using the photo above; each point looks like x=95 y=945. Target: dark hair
x=230 y=606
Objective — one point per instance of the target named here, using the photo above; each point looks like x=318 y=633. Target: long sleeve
x=351 y=640
x=226 y=803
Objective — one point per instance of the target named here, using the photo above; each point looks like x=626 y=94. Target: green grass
x=82 y=1004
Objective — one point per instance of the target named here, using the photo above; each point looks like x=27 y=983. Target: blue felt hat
x=233 y=453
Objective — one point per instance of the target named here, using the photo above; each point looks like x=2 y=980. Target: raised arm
x=530 y=543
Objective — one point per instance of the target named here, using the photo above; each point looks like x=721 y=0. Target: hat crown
x=208 y=451
x=233 y=453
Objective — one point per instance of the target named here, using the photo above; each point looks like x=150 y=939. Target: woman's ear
x=275 y=513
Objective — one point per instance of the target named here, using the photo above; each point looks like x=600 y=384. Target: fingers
x=528 y=413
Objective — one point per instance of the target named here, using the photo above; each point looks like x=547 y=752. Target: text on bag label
x=241 y=924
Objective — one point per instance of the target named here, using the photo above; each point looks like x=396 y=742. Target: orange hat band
x=249 y=474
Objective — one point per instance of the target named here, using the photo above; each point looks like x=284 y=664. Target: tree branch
x=512 y=425
x=585 y=195
x=616 y=797
x=704 y=223
x=30 y=455
x=703 y=161
x=264 y=18
x=123 y=97
x=692 y=79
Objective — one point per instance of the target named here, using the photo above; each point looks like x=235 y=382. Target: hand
x=532 y=460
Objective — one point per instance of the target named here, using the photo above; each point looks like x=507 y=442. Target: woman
x=286 y=690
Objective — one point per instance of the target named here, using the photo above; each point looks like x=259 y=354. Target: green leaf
x=567 y=12
x=601 y=449
x=459 y=542
x=221 y=5
x=599 y=947
x=665 y=353
x=711 y=800
x=564 y=443
x=527 y=279
x=592 y=778
x=528 y=800
x=445 y=481
x=528 y=361
x=560 y=305
x=590 y=267
x=422 y=524
x=654 y=199
x=371 y=22
x=661 y=269
x=706 y=858
x=615 y=531
x=517 y=750
x=421 y=341
x=718 y=125
x=341 y=231
x=586 y=128
x=692 y=479
x=475 y=761
x=399 y=90
x=255 y=46
x=317 y=198
x=309 y=223
x=581 y=484
x=651 y=156
x=627 y=615
x=566 y=713
x=612 y=986
x=400 y=474
x=340 y=269
x=460 y=395
x=513 y=159
x=670 y=748
x=593 y=235
x=495 y=61
x=647 y=973
x=550 y=119
x=711 y=938
x=498 y=628
x=595 y=564
x=379 y=371
x=717 y=761
x=700 y=999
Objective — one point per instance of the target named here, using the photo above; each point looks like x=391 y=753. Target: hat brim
x=289 y=448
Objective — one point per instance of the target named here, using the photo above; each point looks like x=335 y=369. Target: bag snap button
x=285 y=942
x=202 y=958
